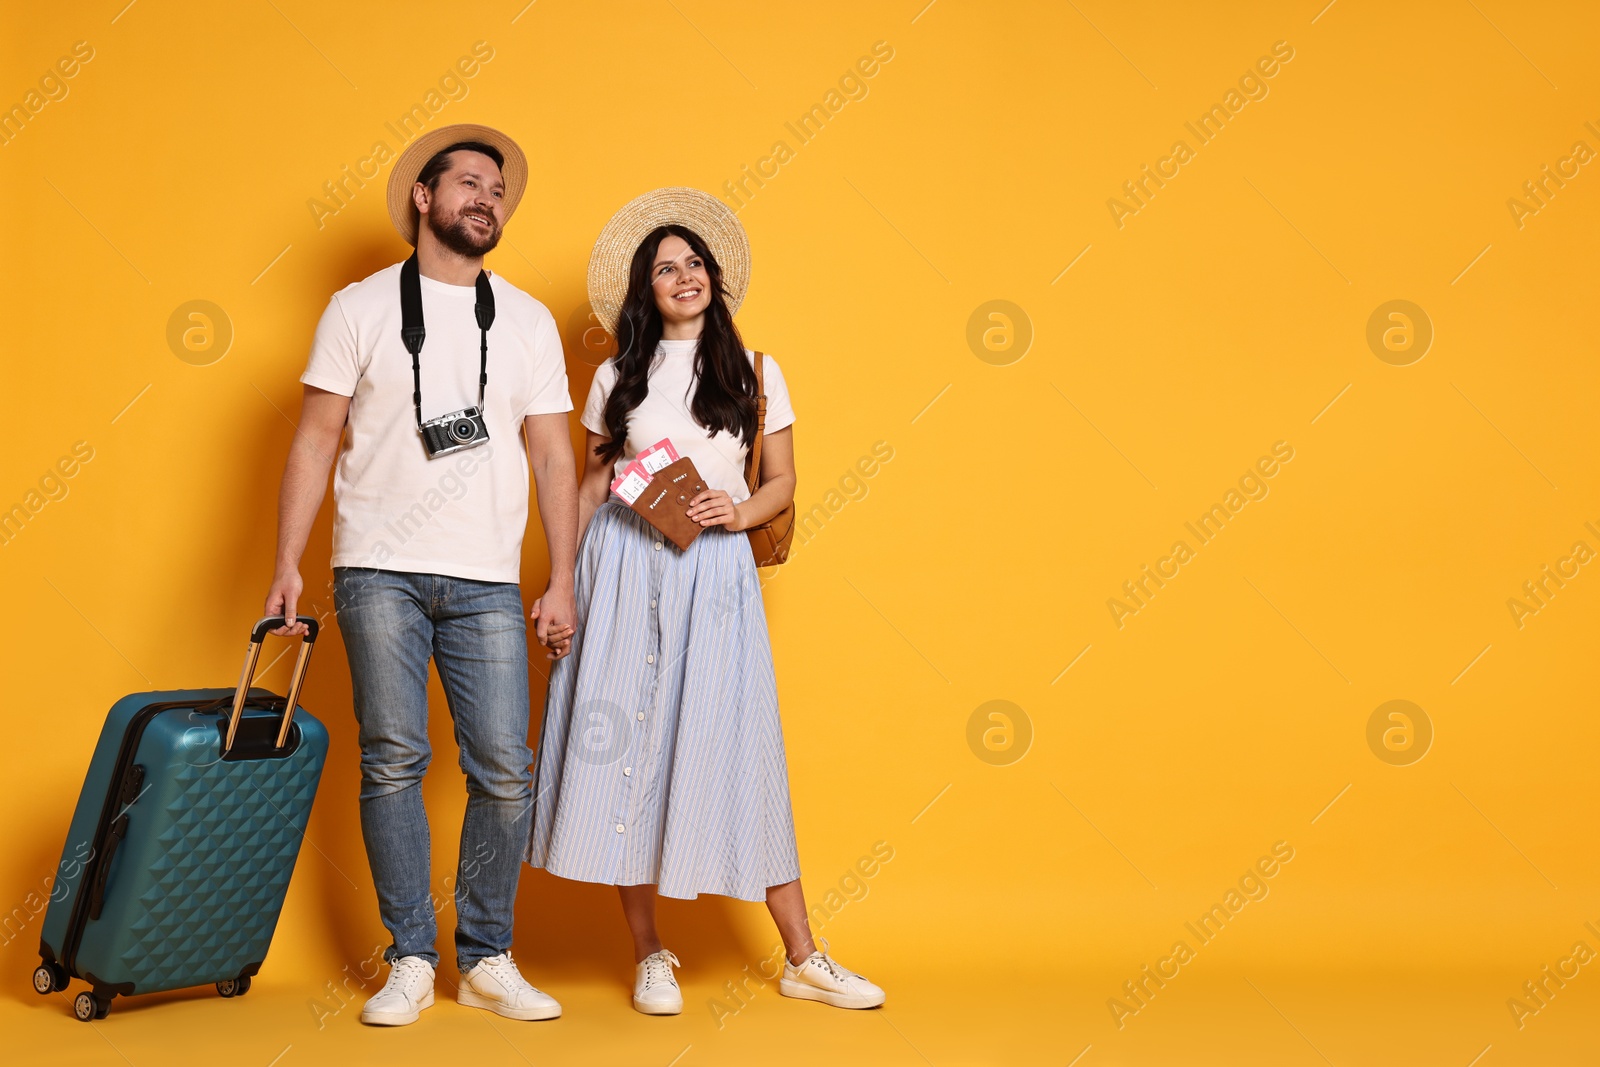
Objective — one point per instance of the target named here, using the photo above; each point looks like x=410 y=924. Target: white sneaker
x=402 y=998
x=655 y=990
x=821 y=978
x=496 y=984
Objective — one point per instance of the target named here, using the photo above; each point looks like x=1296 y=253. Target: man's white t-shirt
x=665 y=413
x=462 y=514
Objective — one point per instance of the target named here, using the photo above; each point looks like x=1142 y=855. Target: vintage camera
x=454 y=432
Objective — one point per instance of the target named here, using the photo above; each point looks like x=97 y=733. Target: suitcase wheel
x=90 y=1006
x=234 y=987
x=49 y=978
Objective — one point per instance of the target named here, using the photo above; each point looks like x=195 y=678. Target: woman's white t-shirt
x=461 y=514
x=665 y=413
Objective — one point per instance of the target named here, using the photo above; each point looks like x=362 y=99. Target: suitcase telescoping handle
x=258 y=635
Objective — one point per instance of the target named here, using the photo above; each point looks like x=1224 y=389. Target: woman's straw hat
x=701 y=212
x=403 y=211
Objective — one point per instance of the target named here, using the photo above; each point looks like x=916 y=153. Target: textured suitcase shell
x=194 y=889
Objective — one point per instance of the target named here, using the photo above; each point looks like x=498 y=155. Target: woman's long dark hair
x=725 y=396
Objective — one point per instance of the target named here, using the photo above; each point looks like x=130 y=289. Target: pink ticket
x=657 y=455
x=631 y=482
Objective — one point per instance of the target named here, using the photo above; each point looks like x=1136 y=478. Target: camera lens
x=462 y=431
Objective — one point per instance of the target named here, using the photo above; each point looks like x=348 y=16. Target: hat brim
x=403 y=210
x=693 y=209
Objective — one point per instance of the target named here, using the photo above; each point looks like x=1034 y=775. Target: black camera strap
x=414 y=333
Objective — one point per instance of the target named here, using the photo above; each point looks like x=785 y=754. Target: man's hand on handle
x=283 y=598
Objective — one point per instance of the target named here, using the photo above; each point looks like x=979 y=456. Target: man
x=427 y=540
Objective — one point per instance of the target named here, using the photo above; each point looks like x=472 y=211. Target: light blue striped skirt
x=661 y=758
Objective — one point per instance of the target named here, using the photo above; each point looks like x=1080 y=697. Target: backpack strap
x=752 y=463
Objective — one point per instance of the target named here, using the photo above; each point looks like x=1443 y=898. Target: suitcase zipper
x=132 y=789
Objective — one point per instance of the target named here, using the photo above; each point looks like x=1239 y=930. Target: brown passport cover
x=665 y=501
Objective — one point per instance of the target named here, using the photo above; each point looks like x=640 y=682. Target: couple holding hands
x=660 y=766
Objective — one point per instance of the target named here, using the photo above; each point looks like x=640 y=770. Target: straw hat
x=701 y=212
x=403 y=211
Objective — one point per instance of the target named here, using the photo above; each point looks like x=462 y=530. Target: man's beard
x=457 y=234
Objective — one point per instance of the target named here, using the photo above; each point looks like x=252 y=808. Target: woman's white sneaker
x=496 y=984
x=821 y=978
x=402 y=998
x=655 y=990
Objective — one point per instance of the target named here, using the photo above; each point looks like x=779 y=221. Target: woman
x=661 y=763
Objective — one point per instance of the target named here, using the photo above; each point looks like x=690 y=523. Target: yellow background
x=1229 y=313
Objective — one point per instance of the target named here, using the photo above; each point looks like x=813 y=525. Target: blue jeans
x=392 y=622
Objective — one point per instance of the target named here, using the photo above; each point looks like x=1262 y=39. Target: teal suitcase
x=186 y=833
